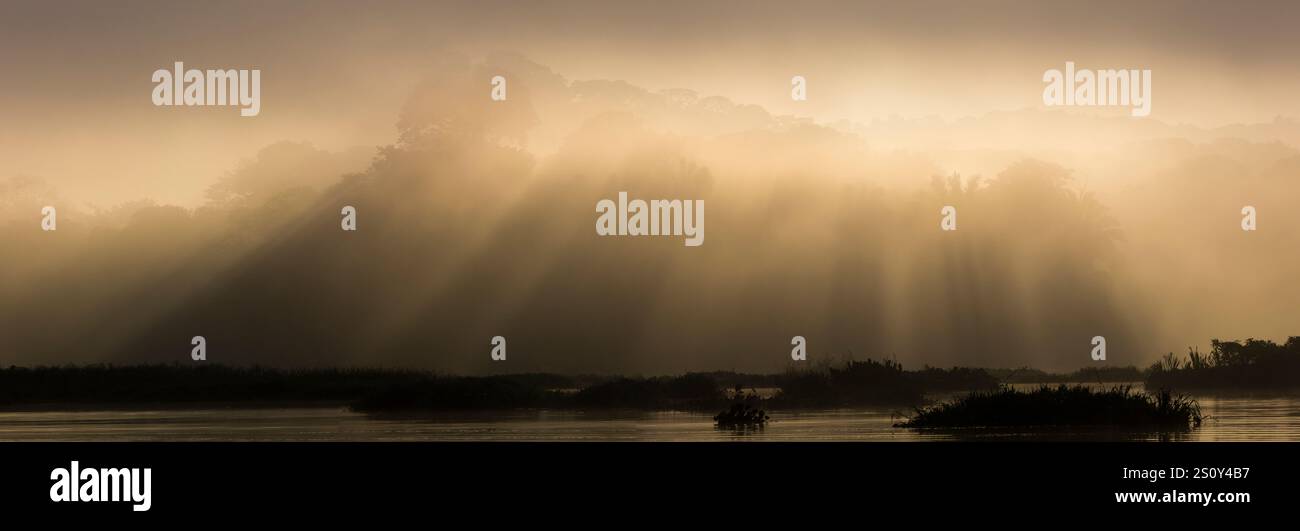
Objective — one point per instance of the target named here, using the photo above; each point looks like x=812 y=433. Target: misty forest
x=477 y=221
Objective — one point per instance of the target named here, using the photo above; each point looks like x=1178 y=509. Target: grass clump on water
x=1061 y=405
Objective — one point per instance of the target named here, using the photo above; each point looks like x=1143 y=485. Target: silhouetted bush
x=1249 y=364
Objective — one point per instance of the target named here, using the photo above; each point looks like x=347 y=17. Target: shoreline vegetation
x=848 y=384
x=1230 y=365
x=1252 y=364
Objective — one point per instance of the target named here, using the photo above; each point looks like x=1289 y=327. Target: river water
x=1230 y=418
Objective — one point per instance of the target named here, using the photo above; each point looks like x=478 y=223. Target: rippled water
x=1231 y=418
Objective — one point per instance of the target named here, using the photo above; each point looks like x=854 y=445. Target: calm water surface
x=1231 y=418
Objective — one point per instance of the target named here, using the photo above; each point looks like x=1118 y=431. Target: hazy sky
x=478 y=218
x=77 y=74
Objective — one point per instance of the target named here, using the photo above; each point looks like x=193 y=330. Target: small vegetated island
x=1061 y=405
x=1247 y=365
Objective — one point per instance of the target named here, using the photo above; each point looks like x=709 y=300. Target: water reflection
x=1231 y=418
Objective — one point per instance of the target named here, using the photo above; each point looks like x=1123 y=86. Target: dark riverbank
x=1230 y=366
x=850 y=384
x=1251 y=364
